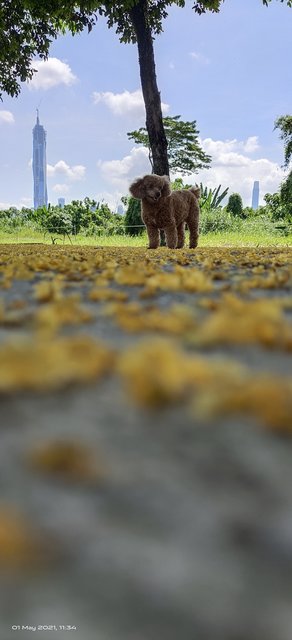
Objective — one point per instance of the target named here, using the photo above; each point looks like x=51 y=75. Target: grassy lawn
x=223 y=239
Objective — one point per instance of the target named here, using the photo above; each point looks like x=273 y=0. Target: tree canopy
x=27 y=27
x=284 y=123
x=185 y=153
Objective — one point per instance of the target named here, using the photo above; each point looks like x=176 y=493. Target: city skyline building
x=61 y=202
x=39 y=165
x=255 y=195
x=120 y=209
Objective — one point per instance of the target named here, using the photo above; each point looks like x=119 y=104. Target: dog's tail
x=196 y=191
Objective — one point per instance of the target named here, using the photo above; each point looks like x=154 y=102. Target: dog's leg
x=193 y=224
x=171 y=236
x=180 y=235
x=153 y=235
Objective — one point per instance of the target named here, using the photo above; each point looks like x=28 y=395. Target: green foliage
x=28 y=27
x=178 y=184
x=55 y=221
x=211 y=198
x=222 y=221
x=86 y=217
x=284 y=123
x=279 y=205
x=286 y=195
x=235 y=206
x=185 y=153
x=216 y=220
x=133 y=220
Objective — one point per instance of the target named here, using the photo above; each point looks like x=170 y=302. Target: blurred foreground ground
x=146 y=423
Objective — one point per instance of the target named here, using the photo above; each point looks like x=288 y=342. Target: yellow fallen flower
x=21 y=547
x=70 y=460
x=43 y=365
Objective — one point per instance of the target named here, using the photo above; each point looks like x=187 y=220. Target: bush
x=55 y=221
x=216 y=220
x=275 y=209
x=286 y=197
x=133 y=221
x=211 y=198
x=259 y=225
x=235 y=206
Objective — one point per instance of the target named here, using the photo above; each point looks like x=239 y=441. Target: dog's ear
x=137 y=189
x=196 y=191
x=165 y=185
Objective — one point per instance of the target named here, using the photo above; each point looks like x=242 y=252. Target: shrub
x=216 y=220
x=211 y=198
x=133 y=221
x=286 y=197
x=274 y=208
x=55 y=221
x=235 y=206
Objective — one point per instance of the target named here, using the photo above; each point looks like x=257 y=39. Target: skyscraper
x=255 y=195
x=39 y=165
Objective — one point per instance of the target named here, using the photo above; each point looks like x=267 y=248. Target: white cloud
x=61 y=188
x=125 y=103
x=119 y=173
x=76 y=172
x=111 y=198
x=232 y=167
x=24 y=202
x=251 y=144
x=171 y=65
x=199 y=57
x=216 y=147
x=6 y=117
x=51 y=73
x=6 y=205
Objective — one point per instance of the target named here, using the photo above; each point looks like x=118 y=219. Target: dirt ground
x=145 y=409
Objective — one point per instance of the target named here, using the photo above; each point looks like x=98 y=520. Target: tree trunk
x=154 y=123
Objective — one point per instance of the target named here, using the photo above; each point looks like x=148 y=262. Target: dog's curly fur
x=170 y=211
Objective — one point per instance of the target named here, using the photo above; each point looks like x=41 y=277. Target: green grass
x=236 y=239
x=223 y=239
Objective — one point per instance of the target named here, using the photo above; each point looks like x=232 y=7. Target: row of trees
x=87 y=217
x=186 y=156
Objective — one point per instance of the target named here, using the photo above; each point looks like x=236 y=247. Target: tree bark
x=154 y=122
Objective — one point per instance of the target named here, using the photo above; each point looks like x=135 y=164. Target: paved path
x=146 y=468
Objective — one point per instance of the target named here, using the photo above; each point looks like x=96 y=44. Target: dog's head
x=150 y=188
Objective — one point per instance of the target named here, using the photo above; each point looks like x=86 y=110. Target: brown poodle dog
x=170 y=211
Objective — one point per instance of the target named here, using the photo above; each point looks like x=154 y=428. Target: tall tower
x=39 y=165
x=255 y=195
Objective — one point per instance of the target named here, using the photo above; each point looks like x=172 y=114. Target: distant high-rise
x=255 y=195
x=120 y=209
x=39 y=166
x=61 y=202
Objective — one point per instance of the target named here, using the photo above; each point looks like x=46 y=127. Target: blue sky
x=231 y=72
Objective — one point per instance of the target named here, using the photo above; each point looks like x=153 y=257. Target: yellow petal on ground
x=21 y=547
x=105 y=294
x=154 y=373
x=48 y=291
x=246 y=322
x=66 y=311
x=52 y=364
x=71 y=461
